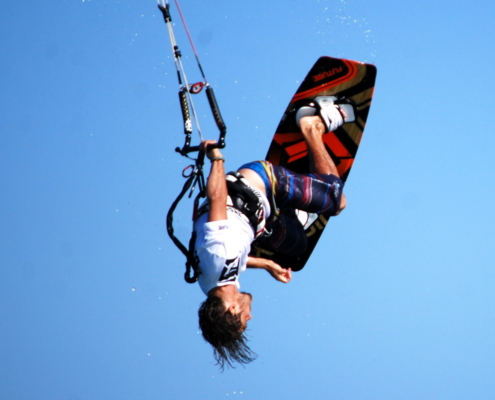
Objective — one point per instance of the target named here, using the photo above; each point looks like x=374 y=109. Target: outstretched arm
x=275 y=270
x=216 y=188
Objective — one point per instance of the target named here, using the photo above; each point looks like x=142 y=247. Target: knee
x=343 y=203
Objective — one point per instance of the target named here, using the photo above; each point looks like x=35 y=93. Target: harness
x=243 y=200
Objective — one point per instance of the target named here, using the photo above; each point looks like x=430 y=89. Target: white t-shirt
x=223 y=247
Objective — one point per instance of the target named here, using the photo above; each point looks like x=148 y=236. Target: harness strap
x=241 y=197
x=244 y=199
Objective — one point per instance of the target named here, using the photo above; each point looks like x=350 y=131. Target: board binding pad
x=343 y=79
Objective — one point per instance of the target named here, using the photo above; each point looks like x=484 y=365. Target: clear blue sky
x=397 y=302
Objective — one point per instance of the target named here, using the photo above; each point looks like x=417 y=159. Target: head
x=223 y=321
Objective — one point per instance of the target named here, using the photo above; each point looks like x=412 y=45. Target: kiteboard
x=349 y=80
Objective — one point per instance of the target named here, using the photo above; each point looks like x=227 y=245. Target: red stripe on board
x=281 y=138
x=336 y=145
x=296 y=157
x=296 y=148
x=340 y=151
x=344 y=166
x=350 y=75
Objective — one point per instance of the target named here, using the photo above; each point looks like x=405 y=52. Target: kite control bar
x=187 y=148
x=186 y=90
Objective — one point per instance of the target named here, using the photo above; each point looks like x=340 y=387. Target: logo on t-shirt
x=230 y=270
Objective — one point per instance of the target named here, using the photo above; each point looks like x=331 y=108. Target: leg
x=288 y=234
x=313 y=129
x=313 y=193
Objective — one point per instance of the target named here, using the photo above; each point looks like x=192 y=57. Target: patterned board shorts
x=288 y=191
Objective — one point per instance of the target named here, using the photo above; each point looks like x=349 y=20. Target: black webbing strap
x=191 y=261
x=244 y=199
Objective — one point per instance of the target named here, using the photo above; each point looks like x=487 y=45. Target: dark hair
x=224 y=331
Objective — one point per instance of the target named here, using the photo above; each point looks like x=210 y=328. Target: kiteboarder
x=259 y=202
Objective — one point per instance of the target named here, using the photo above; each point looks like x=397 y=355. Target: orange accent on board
x=344 y=166
x=281 y=138
x=336 y=145
x=296 y=148
x=353 y=70
x=299 y=149
x=340 y=152
x=296 y=151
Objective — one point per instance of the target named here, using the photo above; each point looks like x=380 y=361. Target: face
x=312 y=123
x=244 y=304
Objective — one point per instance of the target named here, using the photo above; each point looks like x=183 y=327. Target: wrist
x=214 y=153
x=267 y=265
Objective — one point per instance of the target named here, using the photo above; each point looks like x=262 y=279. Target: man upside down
x=259 y=201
